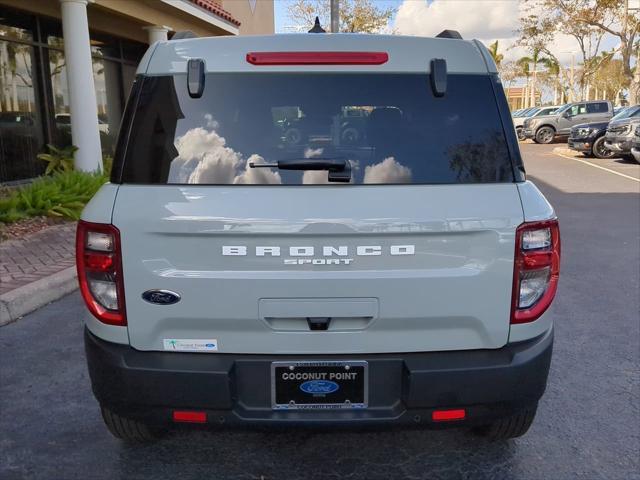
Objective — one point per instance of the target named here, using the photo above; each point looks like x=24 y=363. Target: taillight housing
x=99 y=264
x=536 y=269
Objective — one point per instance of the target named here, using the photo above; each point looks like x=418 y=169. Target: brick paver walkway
x=36 y=256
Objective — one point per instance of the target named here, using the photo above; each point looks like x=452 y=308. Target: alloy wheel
x=545 y=135
x=600 y=151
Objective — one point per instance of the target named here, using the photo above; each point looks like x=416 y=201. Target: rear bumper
x=236 y=389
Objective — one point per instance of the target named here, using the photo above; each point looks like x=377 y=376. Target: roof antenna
x=317 y=28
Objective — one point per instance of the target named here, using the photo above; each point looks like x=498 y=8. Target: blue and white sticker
x=191 y=345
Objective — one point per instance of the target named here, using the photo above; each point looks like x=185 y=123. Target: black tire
x=509 y=427
x=520 y=134
x=127 y=429
x=599 y=151
x=545 y=135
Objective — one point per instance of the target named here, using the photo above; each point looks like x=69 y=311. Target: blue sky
x=486 y=20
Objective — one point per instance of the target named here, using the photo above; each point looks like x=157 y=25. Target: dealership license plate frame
x=320 y=364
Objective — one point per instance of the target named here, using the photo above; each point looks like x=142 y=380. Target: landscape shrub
x=63 y=194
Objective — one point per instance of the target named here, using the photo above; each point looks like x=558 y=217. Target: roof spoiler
x=183 y=34
x=449 y=34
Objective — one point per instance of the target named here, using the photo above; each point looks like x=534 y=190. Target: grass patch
x=62 y=195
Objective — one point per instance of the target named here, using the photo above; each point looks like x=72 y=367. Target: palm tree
x=497 y=57
x=534 y=60
x=523 y=65
x=553 y=70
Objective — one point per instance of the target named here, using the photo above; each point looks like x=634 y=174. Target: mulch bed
x=27 y=226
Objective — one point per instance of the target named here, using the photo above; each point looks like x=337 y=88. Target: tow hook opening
x=318 y=323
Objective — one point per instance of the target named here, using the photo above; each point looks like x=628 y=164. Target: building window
x=34 y=97
x=21 y=135
x=57 y=76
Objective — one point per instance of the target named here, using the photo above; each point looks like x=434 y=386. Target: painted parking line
x=597 y=166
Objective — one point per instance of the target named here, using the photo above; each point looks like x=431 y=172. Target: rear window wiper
x=339 y=168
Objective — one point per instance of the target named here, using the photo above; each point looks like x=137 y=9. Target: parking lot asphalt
x=587 y=425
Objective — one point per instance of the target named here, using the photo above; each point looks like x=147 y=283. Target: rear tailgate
x=433 y=271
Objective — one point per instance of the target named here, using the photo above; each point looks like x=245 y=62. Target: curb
x=30 y=297
x=565 y=151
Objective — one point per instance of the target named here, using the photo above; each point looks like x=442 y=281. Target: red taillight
x=99 y=264
x=536 y=269
x=98 y=261
x=317 y=58
x=448 y=415
x=187 y=416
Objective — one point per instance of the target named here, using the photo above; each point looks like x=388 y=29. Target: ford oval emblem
x=315 y=387
x=161 y=297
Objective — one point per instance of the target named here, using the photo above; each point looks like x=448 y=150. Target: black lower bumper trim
x=580 y=145
x=403 y=387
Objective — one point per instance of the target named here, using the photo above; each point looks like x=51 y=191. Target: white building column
x=157 y=33
x=82 y=93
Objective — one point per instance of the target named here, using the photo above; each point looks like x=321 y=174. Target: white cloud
x=485 y=20
x=205 y=158
x=387 y=171
x=315 y=177
x=311 y=153
x=210 y=121
x=473 y=19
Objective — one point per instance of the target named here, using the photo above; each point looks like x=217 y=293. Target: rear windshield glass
x=382 y=128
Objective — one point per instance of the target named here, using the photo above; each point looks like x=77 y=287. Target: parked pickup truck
x=234 y=277
x=589 y=138
x=621 y=135
x=544 y=129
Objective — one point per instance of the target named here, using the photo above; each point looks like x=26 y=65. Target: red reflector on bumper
x=189 y=417
x=317 y=58
x=448 y=415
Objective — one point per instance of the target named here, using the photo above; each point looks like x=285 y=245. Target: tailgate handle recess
x=318 y=323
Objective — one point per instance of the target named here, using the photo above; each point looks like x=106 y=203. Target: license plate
x=319 y=385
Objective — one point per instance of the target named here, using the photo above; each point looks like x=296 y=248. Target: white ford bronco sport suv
x=318 y=229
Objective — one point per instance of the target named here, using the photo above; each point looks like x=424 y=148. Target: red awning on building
x=213 y=7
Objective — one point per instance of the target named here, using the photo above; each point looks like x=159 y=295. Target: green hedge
x=62 y=194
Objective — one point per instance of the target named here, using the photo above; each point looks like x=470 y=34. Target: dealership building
x=66 y=67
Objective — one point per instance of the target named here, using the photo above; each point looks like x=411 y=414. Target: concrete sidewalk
x=35 y=270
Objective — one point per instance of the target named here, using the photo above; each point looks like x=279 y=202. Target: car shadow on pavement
x=309 y=454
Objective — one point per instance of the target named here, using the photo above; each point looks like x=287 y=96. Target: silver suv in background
x=545 y=128
x=518 y=120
